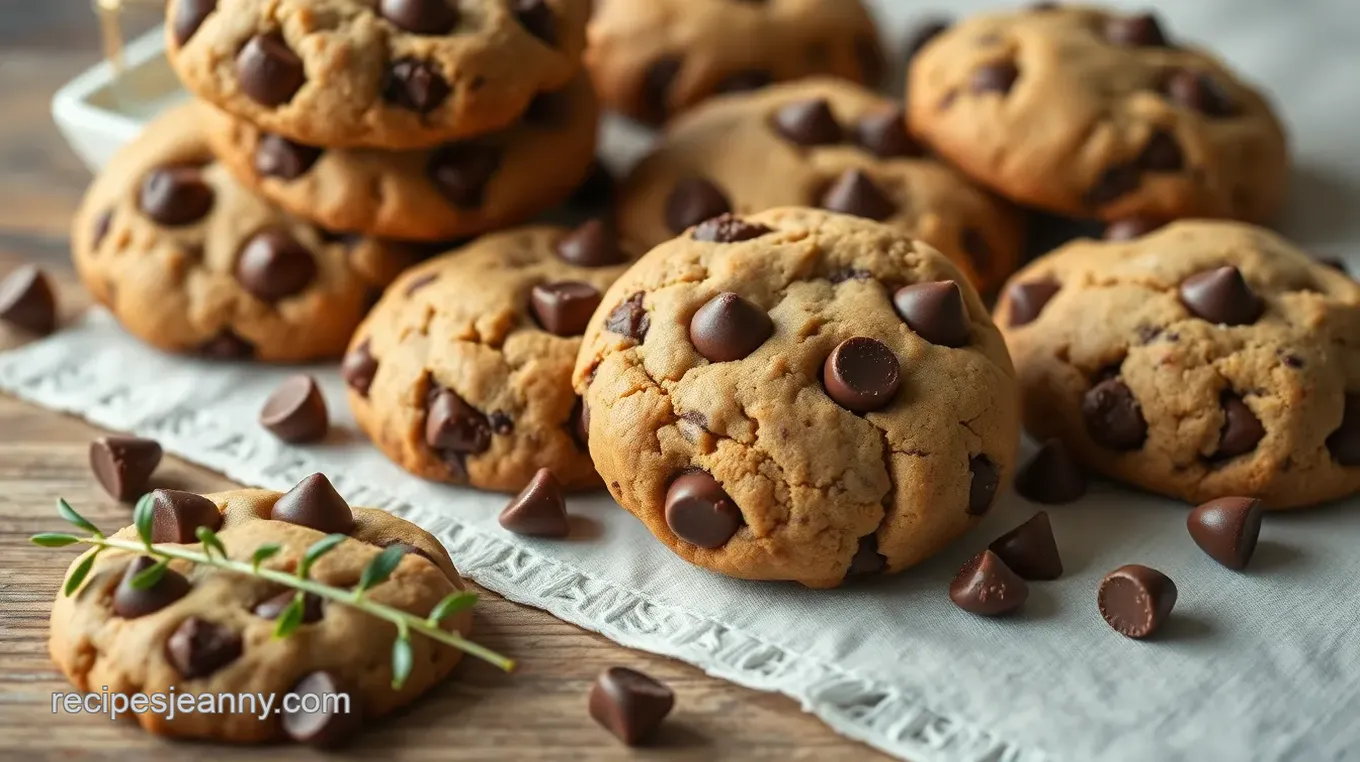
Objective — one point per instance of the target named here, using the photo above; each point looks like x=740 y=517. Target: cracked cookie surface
x=462 y=372
x=822 y=143
x=390 y=74
x=1089 y=113
x=1204 y=360
x=191 y=262
x=201 y=630
x=762 y=394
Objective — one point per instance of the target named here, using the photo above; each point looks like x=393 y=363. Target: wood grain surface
x=479 y=713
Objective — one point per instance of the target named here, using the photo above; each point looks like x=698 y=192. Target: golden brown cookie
x=799 y=395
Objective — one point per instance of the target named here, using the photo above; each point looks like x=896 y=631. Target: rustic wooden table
x=538 y=713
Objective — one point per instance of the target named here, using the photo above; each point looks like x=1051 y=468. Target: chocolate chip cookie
x=379 y=73
x=822 y=143
x=450 y=191
x=200 y=630
x=1092 y=113
x=1202 y=360
x=462 y=373
x=652 y=60
x=191 y=262
x=799 y=395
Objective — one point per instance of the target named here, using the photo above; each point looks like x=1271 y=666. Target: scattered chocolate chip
x=420 y=16
x=227 y=346
x=359 y=367
x=461 y=172
x=854 y=192
x=1221 y=296
x=130 y=603
x=1242 y=430
x=1161 y=154
x=175 y=196
x=728 y=228
x=453 y=427
x=272 y=608
x=123 y=465
x=629 y=704
x=177 y=515
x=27 y=300
x=1293 y=361
x=986 y=586
x=189 y=16
x=729 y=328
x=501 y=423
x=1114 y=182
x=1344 y=443
x=415 y=85
x=692 y=201
x=744 y=81
x=808 y=123
x=983 y=481
x=1135 y=600
x=268 y=71
x=564 y=308
x=1029 y=550
x=277 y=156
x=329 y=725
x=862 y=374
x=656 y=89
x=1028 y=299
x=1135 y=31
x=593 y=244
x=296 y=411
x=272 y=265
x=700 y=512
x=539 y=510
x=314 y=503
x=1200 y=92
x=198 y=648
x=1130 y=228
x=1114 y=419
x=922 y=32
x=1052 y=476
x=537 y=17
x=629 y=319
x=1227 y=529
x=884 y=134
x=996 y=77
x=935 y=311
x=867 y=561
x=580 y=423
x=420 y=282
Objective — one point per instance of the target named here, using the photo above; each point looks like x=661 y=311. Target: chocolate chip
x=869 y=54
x=884 y=134
x=808 y=123
x=996 y=77
x=935 y=311
x=983 y=481
x=177 y=515
x=728 y=228
x=359 y=367
x=331 y=722
x=539 y=510
x=867 y=561
x=1113 y=183
x=123 y=465
x=1161 y=154
x=314 y=503
x=277 y=156
x=862 y=374
x=1114 y=419
x=548 y=111
x=198 y=648
x=1135 y=600
x=1227 y=529
x=454 y=428
x=272 y=265
x=501 y=423
x=922 y=33
x=537 y=17
x=460 y=171
x=268 y=71
x=1221 y=296
x=580 y=423
x=1344 y=443
x=189 y=16
x=986 y=586
x=1052 y=476
x=296 y=411
x=700 y=512
x=656 y=89
x=415 y=85
x=564 y=308
x=1130 y=228
x=1028 y=299
x=226 y=345
x=175 y=196
x=692 y=201
x=272 y=608
x=1242 y=430
x=1135 y=31
x=27 y=300
x=854 y=192
x=729 y=328
x=629 y=319
x=1029 y=550
x=744 y=81
x=629 y=704
x=420 y=16
x=593 y=244
x=1200 y=92
x=105 y=220
x=130 y=603
x=596 y=192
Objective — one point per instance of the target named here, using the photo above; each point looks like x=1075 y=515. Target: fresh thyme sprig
x=214 y=554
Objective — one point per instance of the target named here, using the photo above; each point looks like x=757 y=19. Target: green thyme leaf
x=144 y=518
x=79 y=573
x=67 y=512
x=452 y=604
x=290 y=618
x=401 y=660
x=148 y=577
x=262 y=554
x=54 y=539
x=316 y=551
x=211 y=542
x=380 y=568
